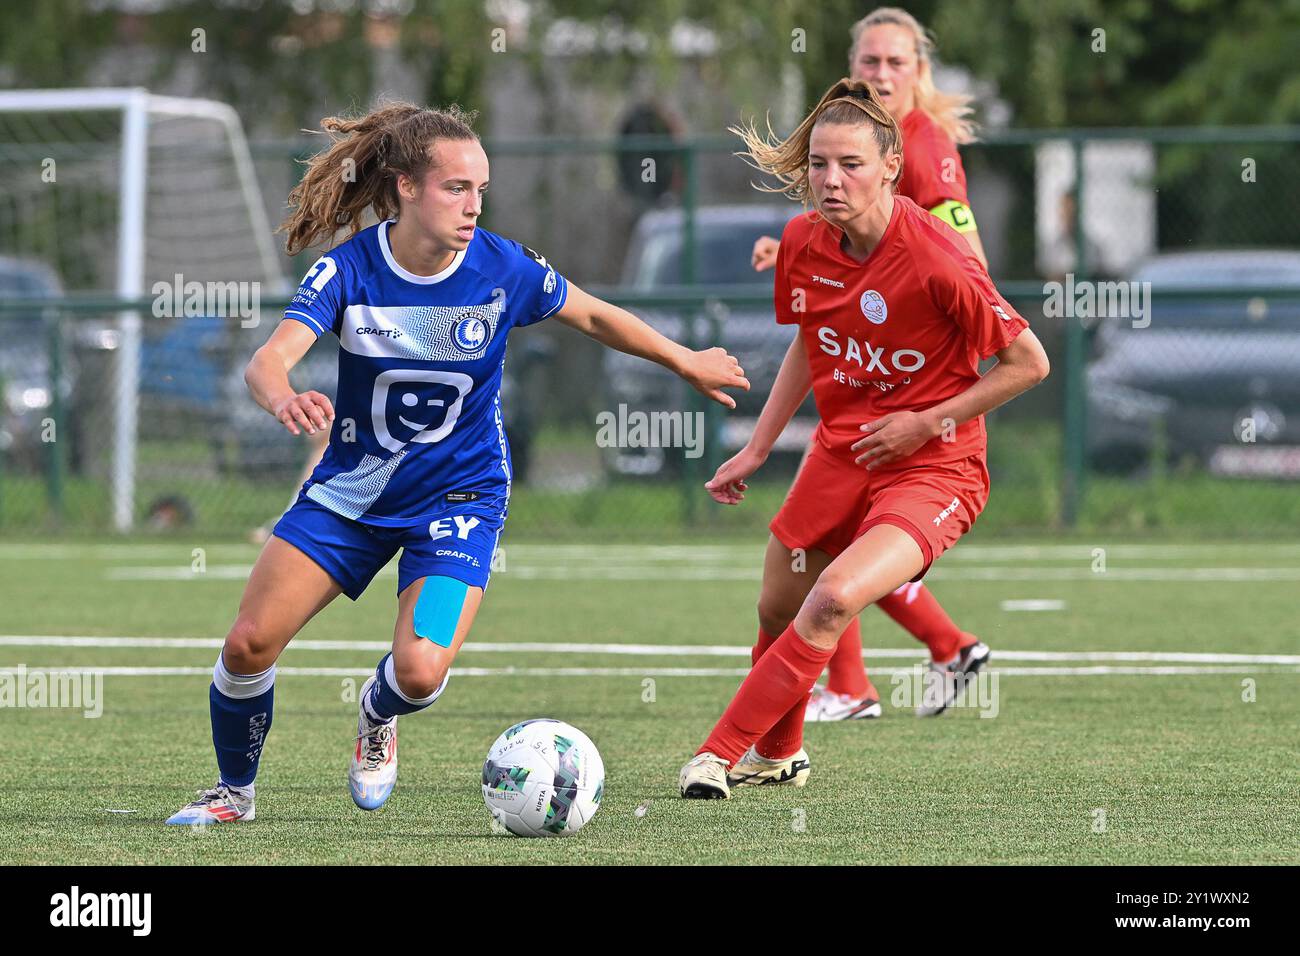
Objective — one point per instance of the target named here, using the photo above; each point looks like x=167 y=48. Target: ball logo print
x=470 y=333
x=873 y=307
x=425 y=429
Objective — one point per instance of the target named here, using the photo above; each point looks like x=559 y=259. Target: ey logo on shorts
x=442 y=527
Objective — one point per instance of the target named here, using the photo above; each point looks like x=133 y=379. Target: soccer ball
x=543 y=777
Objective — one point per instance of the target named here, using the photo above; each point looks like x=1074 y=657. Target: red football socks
x=917 y=610
x=782 y=676
x=848 y=675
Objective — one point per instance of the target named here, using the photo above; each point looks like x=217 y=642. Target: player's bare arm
x=1021 y=366
x=709 y=371
x=267 y=376
x=793 y=382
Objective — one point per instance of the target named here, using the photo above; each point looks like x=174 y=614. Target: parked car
x=181 y=363
x=725 y=237
x=1210 y=377
x=26 y=392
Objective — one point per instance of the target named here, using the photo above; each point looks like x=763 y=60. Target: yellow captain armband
x=956 y=214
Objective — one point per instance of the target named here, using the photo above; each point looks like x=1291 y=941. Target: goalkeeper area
x=1124 y=720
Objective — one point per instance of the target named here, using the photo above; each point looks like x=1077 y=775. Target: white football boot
x=824 y=705
x=373 y=770
x=943 y=682
x=705 y=778
x=753 y=769
x=221 y=804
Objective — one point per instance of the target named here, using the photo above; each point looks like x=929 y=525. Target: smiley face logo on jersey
x=470 y=333
x=425 y=402
x=873 y=307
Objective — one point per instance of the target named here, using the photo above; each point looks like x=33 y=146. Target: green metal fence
x=1170 y=308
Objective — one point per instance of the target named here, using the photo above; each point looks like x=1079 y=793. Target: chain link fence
x=1160 y=268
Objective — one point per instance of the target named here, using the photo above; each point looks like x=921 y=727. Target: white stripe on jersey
x=425 y=333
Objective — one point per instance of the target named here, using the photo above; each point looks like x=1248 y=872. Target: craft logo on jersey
x=873 y=307
x=470 y=333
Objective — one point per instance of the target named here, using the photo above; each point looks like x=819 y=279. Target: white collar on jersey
x=456 y=260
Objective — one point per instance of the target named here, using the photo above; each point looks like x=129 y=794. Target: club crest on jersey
x=873 y=307
x=470 y=333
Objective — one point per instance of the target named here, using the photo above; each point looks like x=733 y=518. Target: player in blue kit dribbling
x=417 y=460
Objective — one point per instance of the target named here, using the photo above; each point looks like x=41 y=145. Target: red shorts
x=834 y=502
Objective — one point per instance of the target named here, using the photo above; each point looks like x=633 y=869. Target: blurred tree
x=1056 y=62
x=47 y=43
x=272 y=63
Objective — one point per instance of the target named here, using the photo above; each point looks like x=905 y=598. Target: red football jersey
x=932 y=170
x=902 y=331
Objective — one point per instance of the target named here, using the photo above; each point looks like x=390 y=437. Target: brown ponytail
x=849 y=103
x=358 y=170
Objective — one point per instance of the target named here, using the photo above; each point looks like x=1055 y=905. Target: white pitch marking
x=643 y=650
x=1034 y=604
x=121 y=671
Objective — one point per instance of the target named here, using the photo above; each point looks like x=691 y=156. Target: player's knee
x=420 y=679
x=829 y=607
x=775 y=614
x=250 y=646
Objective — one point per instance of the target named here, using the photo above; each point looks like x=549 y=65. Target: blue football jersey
x=418 y=408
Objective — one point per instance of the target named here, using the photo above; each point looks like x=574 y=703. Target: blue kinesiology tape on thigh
x=437 y=610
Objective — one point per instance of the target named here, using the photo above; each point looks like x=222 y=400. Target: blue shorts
x=458 y=544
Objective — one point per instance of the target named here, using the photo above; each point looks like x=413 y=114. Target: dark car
x=725 y=237
x=26 y=392
x=1212 y=377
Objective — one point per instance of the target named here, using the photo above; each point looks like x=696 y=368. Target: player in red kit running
x=893 y=52
x=894 y=316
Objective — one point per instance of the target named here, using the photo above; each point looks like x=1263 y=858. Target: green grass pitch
x=1092 y=761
